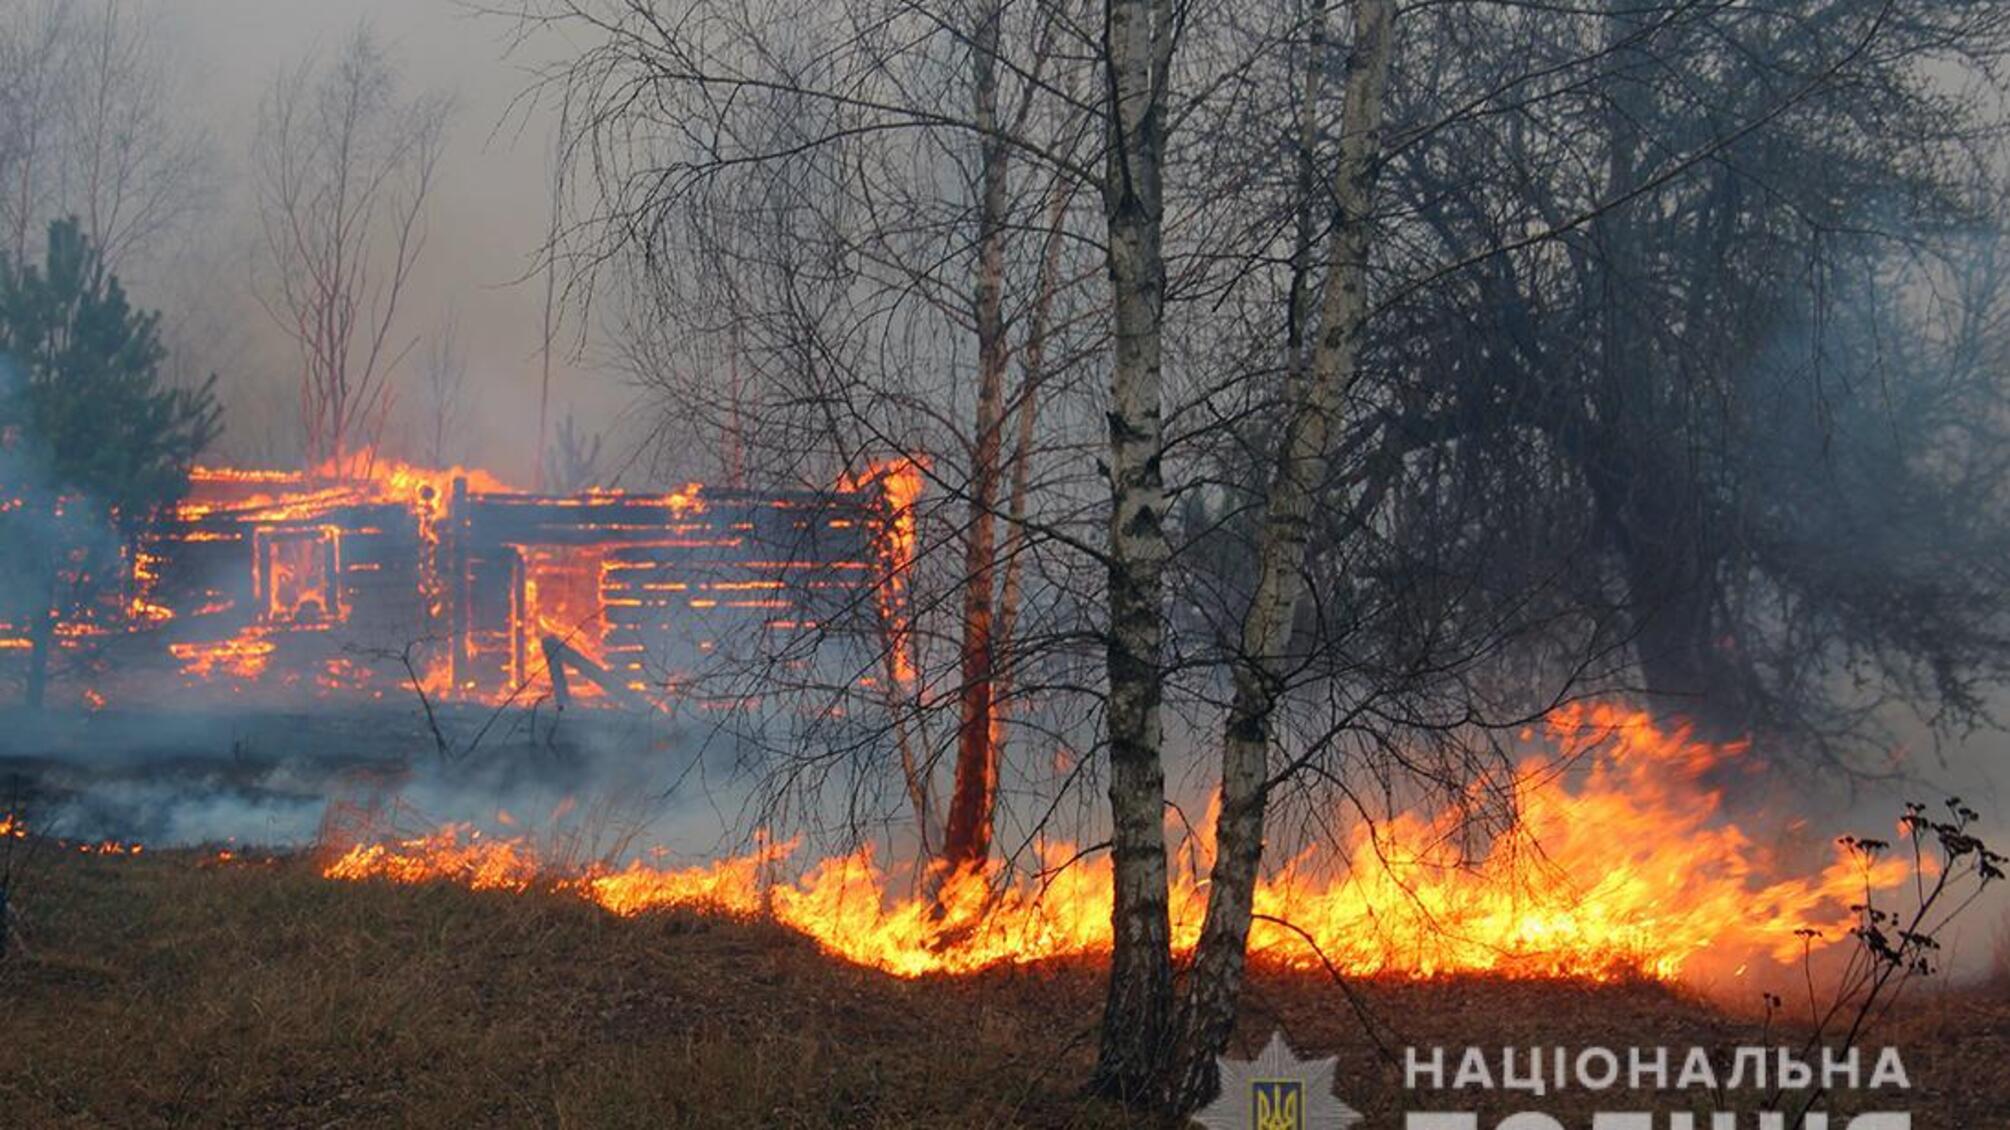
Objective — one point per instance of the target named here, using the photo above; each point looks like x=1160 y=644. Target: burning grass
x=1619 y=864
x=463 y=979
x=168 y=988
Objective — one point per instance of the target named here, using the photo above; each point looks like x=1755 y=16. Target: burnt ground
x=173 y=990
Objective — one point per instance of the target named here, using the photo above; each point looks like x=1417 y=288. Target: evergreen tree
x=93 y=445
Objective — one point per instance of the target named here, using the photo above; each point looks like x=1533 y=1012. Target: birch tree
x=345 y=162
x=1314 y=401
x=1141 y=37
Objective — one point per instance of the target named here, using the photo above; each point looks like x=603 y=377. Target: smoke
x=607 y=784
x=485 y=227
x=57 y=545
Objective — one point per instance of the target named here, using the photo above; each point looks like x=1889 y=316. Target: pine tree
x=93 y=445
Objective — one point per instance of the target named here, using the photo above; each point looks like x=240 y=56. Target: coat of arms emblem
x=1277 y=1091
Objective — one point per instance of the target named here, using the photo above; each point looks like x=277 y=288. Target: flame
x=14 y=828
x=902 y=482
x=1619 y=864
x=314 y=551
x=396 y=481
x=143 y=608
x=562 y=600
x=294 y=495
x=243 y=655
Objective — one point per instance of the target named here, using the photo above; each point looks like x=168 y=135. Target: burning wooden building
x=451 y=583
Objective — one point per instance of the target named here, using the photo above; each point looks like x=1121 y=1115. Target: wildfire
x=1622 y=866
x=14 y=828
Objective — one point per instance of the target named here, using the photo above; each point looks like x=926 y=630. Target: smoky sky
x=488 y=215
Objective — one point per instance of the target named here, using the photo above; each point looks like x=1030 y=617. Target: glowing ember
x=243 y=655
x=143 y=609
x=1621 y=866
x=902 y=481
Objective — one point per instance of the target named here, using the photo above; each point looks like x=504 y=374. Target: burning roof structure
x=453 y=583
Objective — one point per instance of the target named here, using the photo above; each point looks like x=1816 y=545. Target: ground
x=170 y=989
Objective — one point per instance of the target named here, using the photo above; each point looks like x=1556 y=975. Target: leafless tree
x=1141 y=37
x=138 y=173
x=34 y=91
x=848 y=276
x=1383 y=396
x=88 y=127
x=443 y=394
x=573 y=463
x=344 y=162
x=1314 y=402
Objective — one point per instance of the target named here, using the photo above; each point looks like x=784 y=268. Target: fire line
x=1623 y=867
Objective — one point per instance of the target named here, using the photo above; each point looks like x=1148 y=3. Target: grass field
x=170 y=990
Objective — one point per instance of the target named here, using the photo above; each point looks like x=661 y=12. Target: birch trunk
x=1138 y=42
x=1214 y=985
x=967 y=835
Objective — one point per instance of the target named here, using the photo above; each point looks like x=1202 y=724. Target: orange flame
x=279 y=495
x=243 y=655
x=902 y=481
x=1622 y=866
x=14 y=828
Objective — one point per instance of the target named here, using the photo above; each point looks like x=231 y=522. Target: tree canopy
x=93 y=442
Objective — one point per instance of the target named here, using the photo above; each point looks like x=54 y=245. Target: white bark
x=1215 y=985
x=1139 y=35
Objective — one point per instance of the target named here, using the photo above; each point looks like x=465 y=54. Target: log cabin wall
x=273 y=584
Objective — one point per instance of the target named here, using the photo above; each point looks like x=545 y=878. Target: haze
x=486 y=220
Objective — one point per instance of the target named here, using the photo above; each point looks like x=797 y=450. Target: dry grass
x=163 y=992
